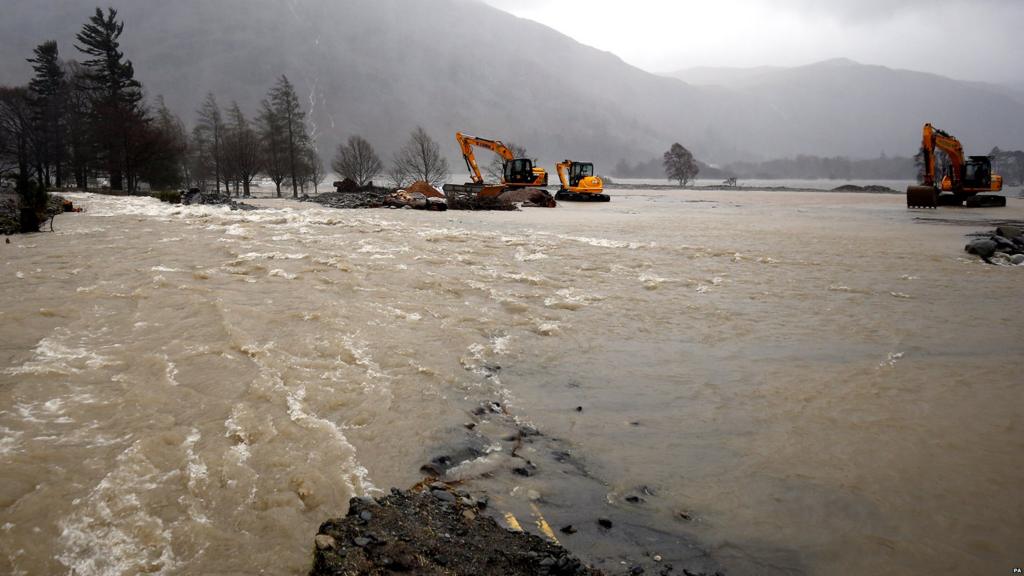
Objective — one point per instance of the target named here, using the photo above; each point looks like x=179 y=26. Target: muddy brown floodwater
x=821 y=383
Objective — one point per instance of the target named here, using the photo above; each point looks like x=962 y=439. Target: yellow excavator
x=579 y=183
x=965 y=182
x=517 y=172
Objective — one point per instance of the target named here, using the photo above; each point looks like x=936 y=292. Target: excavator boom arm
x=562 y=168
x=467 y=143
x=934 y=138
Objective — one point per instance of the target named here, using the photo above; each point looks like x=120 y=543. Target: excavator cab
x=579 y=171
x=978 y=173
x=519 y=171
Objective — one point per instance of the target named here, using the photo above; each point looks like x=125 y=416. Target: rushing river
x=824 y=383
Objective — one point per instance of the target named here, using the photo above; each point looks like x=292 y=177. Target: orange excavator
x=579 y=183
x=517 y=172
x=965 y=182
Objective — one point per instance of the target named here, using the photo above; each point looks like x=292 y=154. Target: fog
x=380 y=68
x=968 y=40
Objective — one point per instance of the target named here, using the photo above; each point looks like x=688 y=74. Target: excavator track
x=985 y=201
x=566 y=196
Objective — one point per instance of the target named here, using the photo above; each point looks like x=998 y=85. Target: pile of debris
x=196 y=197
x=433 y=530
x=1005 y=247
x=869 y=189
x=373 y=198
x=471 y=198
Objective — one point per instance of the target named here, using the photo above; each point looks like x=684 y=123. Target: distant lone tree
x=356 y=160
x=419 y=159
x=680 y=165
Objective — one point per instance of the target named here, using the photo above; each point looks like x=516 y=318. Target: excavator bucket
x=922 y=197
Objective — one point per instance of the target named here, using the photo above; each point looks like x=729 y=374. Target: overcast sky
x=964 y=39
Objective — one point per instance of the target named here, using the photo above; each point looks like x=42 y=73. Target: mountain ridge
x=380 y=68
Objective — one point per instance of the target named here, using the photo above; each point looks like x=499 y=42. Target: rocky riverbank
x=1003 y=247
x=433 y=530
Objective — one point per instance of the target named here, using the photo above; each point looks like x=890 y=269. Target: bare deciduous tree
x=680 y=165
x=357 y=161
x=210 y=128
x=312 y=168
x=242 y=149
x=419 y=159
x=273 y=145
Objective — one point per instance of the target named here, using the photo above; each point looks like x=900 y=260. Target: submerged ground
x=793 y=383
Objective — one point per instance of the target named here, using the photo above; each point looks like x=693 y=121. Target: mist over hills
x=380 y=67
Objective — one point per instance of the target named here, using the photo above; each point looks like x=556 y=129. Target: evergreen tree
x=48 y=91
x=116 y=94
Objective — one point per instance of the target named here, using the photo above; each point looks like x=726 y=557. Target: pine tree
x=48 y=91
x=116 y=94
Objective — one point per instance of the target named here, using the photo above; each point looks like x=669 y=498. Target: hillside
x=861 y=111
x=380 y=67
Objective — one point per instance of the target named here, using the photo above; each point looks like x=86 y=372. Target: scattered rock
x=570 y=529
x=604 y=523
x=983 y=248
x=443 y=496
x=1010 y=232
x=325 y=542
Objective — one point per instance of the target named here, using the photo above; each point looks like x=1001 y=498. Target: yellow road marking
x=543 y=524
x=512 y=522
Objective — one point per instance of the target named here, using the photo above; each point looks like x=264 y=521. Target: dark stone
x=984 y=248
x=636 y=570
x=570 y=529
x=361 y=541
x=604 y=523
x=1003 y=244
x=365 y=516
x=1010 y=232
x=443 y=496
x=579 y=408
x=635 y=500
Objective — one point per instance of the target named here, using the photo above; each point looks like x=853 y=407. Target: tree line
x=81 y=120
x=803 y=167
